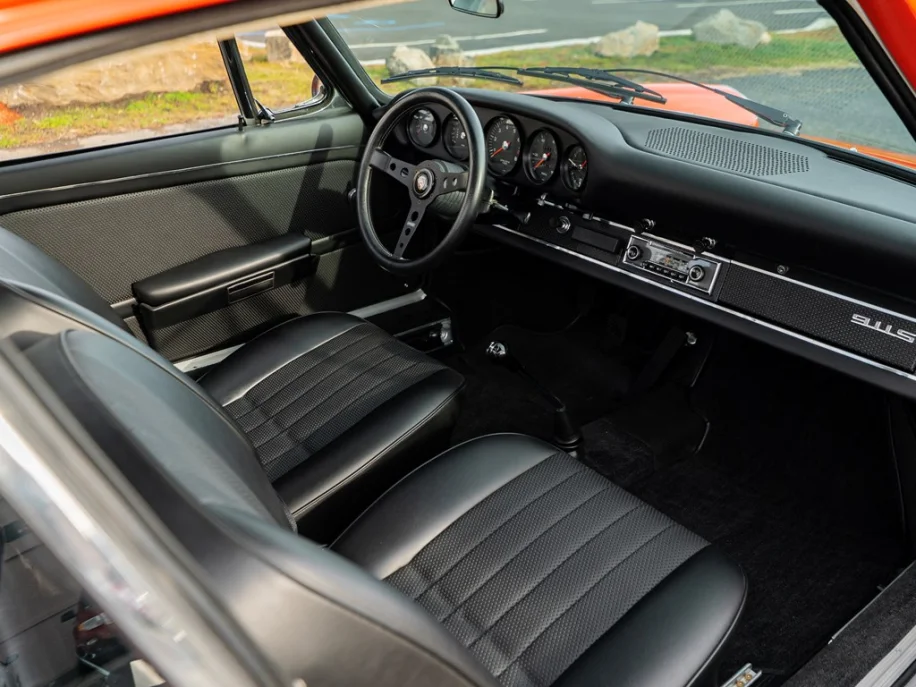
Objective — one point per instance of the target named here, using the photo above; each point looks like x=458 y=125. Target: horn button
x=423 y=183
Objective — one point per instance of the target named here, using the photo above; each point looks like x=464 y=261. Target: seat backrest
x=314 y=613
x=23 y=263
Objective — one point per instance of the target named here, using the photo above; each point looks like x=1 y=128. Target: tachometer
x=543 y=157
x=422 y=128
x=503 y=145
x=575 y=168
x=456 y=139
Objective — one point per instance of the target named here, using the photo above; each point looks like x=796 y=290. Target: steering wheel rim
x=436 y=181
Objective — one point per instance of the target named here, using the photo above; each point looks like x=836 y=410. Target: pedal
x=744 y=677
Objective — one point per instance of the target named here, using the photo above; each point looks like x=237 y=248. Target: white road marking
x=562 y=43
x=813 y=10
x=732 y=3
x=430 y=41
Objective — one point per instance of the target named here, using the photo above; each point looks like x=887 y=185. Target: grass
x=282 y=85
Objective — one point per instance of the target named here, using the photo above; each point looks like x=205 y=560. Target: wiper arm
x=594 y=80
x=769 y=114
x=465 y=72
x=600 y=75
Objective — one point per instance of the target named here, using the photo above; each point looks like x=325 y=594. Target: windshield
x=784 y=54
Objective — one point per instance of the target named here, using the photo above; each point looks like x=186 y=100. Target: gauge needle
x=543 y=159
x=496 y=152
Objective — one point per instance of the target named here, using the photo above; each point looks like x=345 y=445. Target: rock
x=726 y=28
x=639 y=39
x=8 y=116
x=405 y=59
x=446 y=52
x=190 y=67
x=279 y=47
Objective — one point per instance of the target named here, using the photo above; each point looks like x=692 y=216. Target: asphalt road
x=373 y=33
x=841 y=104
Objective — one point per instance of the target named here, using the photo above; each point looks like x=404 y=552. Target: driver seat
x=336 y=409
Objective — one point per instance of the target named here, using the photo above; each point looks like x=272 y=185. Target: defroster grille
x=722 y=152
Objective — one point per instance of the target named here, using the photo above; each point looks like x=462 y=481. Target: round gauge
x=422 y=128
x=543 y=157
x=503 y=146
x=575 y=168
x=456 y=139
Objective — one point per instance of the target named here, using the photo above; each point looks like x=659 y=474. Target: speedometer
x=504 y=145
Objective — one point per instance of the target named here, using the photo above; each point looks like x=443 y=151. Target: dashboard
x=798 y=247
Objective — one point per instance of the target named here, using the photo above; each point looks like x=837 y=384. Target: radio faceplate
x=671 y=263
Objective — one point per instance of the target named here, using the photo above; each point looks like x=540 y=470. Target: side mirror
x=491 y=9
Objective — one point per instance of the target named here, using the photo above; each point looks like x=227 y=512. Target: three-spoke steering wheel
x=446 y=188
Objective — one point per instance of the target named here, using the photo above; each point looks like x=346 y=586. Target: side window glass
x=51 y=633
x=281 y=80
x=161 y=90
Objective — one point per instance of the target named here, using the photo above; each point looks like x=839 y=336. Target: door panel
x=119 y=215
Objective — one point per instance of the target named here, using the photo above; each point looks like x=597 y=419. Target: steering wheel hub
x=423 y=183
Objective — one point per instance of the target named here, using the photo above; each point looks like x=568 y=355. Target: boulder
x=405 y=59
x=279 y=47
x=726 y=28
x=639 y=39
x=189 y=67
x=445 y=52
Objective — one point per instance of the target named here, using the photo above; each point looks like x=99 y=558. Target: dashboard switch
x=633 y=252
x=561 y=224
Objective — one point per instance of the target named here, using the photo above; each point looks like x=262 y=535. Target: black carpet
x=571 y=363
x=792 y=479
x=794 y=483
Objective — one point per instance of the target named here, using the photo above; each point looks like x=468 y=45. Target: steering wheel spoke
x=414 y=217
x=448 y=182
x=397 y=169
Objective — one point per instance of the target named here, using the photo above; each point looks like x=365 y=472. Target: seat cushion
x=337 y=410
x=547 y=572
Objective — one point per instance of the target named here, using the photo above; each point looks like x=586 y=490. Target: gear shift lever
x=565 y=433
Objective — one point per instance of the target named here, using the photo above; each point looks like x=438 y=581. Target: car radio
x=672 y=263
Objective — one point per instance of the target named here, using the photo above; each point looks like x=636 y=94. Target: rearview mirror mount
x=491 y=9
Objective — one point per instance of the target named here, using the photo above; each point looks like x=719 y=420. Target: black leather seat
x=507 y=562
x=547 y=572
x=337 y=409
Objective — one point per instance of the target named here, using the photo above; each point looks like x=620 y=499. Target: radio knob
x=561 y=224
x=696 y=273
x=633 y=252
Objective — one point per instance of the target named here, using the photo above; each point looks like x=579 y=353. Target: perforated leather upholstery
x=529 y=562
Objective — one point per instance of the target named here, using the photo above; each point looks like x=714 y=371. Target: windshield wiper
x=600 y=75
x=769 y=114
x=595 y=80
x=466 y=72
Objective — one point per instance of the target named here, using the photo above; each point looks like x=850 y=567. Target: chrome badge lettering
x=884 y=328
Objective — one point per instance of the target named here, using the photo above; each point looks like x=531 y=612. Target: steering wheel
x=443 y=187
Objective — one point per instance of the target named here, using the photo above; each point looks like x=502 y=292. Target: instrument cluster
x=542 y=156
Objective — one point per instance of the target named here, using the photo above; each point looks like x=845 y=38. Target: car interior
x=428 y=414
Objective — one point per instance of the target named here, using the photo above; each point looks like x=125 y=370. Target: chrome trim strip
x=207 y=359
x=893 y=665
x=716 y=306
x=214 y=357
x=391 y=304
x=166 y=172
x=848 y=299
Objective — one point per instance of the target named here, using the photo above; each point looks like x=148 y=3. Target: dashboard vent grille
x=732 y=154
